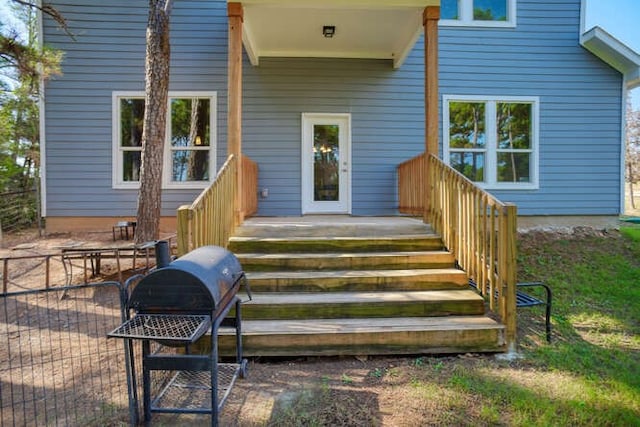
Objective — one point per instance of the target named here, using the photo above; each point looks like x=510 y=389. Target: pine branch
x=51 y=11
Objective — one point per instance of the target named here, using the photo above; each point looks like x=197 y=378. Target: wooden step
x=407 y=335
x=326 y=305
x=358 y=280
x=240 y=244
x=332 y=225
x=345 y=261
x=330 y=285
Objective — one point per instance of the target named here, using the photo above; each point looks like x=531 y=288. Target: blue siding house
x=530 y=105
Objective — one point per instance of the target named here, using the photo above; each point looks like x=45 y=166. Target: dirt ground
x=347 y=391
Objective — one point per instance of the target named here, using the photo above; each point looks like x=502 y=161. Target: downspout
x=42 y=127
x=623 y=151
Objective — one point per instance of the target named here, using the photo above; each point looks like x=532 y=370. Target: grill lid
x=194 y=283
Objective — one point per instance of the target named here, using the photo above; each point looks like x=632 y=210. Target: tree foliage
x=21 y=57
x=23 y=63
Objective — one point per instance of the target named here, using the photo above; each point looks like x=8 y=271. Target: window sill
x=190 y=186
x=476 y=24
x=508 y=187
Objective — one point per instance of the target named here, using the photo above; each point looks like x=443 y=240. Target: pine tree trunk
x=193 y=132
x=155 y=116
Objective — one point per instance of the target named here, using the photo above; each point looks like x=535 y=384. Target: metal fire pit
x=175 y=305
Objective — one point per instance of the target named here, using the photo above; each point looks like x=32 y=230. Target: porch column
x=430 y=18
x=234 y=98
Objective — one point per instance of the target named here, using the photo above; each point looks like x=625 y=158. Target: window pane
x=514 y=167
x=490 y=10
x=514 y=126
x=131 y=119
x=467 y=125
x=449 y=9
x=190 y=122
x=470 y=164
x=131 y=165
x=326 y=163
x=190 y=165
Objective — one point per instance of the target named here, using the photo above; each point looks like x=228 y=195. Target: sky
x=620 y=18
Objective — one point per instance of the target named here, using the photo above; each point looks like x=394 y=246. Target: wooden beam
x=430 y=18
x=235 y=14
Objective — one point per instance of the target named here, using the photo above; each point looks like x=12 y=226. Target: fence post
x=184 y=229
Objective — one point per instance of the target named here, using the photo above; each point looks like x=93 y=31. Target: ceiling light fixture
x=328 y=31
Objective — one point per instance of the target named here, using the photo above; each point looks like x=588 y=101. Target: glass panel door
x=325 y=168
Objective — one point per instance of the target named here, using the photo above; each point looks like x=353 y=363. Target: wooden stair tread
x=390 y=254
x=355 y=326
x=328 y=274
x=280 y=298
x=390 y=238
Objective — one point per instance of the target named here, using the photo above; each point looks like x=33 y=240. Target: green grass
x=589 y=375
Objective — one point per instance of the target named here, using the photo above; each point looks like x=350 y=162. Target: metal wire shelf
x=185 y=329
x=190 y=391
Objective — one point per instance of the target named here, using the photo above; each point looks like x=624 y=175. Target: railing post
x=235 y=13
x=184 y=229
x=510 y=274
x=430 y=18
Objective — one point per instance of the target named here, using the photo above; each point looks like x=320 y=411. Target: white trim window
x=478 y=13
x=493 y=141
x=189 y=151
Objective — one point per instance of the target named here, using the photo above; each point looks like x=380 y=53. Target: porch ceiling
x=378 y=29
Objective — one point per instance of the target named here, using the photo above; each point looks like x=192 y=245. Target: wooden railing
x=480 y=231
x=210 y=219
x=411 y=179
x=249 y=186
x=476 y=227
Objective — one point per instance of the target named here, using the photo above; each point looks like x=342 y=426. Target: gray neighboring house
x=531 y=105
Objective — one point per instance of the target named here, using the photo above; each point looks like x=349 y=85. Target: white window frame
x=491 y=168
x=465 y=17
x=117 y=149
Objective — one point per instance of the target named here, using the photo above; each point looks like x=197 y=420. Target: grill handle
x=247 y=289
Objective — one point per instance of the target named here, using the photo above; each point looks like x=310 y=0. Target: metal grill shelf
x=180 y=329
x=190 y=391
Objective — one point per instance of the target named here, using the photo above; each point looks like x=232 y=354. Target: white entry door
x=326 y=163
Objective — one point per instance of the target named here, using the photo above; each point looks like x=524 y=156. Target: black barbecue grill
x=175 y=305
